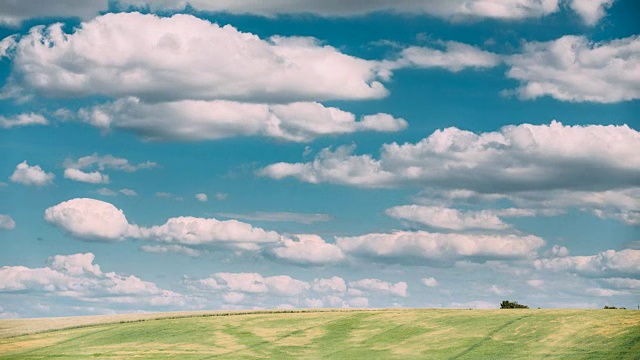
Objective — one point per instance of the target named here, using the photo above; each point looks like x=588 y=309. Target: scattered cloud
x=202 y=197
x=591 y=11
x=446 y=218
x=77 y=277
x=104 y=162
x=128 y=192
x=166 y=249
x=31 y=175
x=22 y=119
x=6 y=222
x=574 y=68
x=609 y=263
x=93 y=177
x=515 y=158
x=195 y=120
x=429 y=282
x=454 y=56
x=334 y=284
x=303 y=218
x=106 y=192
x=307 y=250
x=440 y=248
x=380 y=286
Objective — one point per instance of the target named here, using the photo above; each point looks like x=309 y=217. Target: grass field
x=355 y=334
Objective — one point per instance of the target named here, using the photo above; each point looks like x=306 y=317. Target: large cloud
x=439 y=248
x=573 y=68
x=207 y=120
x=76 y=276
x=380 y=286
x=31 y=175
x=184 y=57
x=516 y=158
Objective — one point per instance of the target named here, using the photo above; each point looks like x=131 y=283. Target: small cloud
x=23 y=120
x=93 y=177
x=31 y=175
x=430 y=282
x=221 y=196
x=106 y=192
x=6 y=222
x=302 y=218
x=128 y=192
x=202 y=197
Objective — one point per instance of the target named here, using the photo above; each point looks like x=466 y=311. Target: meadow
x=330 y=334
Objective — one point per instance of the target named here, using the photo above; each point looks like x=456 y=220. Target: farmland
x=331 y=334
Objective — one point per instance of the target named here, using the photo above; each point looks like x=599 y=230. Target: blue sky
x=221 y=155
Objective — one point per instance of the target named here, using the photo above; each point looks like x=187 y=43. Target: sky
x=165 y=155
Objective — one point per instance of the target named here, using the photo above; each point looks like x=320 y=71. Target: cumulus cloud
x=380 y=286
x=76 y=276
x=176 y=249
x=93 y=177
x=104 y=162
x=31 y=175
x=281 y=216
x=430 y=282
x=591 y=11
x=437 y=248
x=334 y=284
x=516 y=158
x=6 y=222
x=573 y=68
x=604 y=264
x=359 y=302
x=454 y=57
x=307 y=249
x=184 y=57
x=282 y=285
x=192 y=120
x=91 y=219
x=22 y=119
x=12 y=13
x=202 y=197
x=453 y=9
x=446 y=218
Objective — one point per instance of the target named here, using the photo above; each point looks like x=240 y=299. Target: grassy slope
x=411 y=333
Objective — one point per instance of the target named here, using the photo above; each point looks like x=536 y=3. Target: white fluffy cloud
x=282 y=285
x=440 y=248
x=573 y=68
x=184 y=57
x=380 y=286
x=93 y=177
x=446 y=218
x=22 y=120
x=76 y=276
x=334 y=284
x=202 y=197
x=591 y=11
x=31 y=175
x=516 y=158
x=6 y=222
x=430 y=282
x=454 y=57
x=90 y=219
x=176 y=249
x=604 y=264
x=209 y=120
x=308 y=249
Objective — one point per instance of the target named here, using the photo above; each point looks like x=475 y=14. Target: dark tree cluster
x=613 y=308
x=512 y=305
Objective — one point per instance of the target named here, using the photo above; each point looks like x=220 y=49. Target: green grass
x=356 y=334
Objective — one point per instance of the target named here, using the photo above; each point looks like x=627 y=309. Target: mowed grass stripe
x=387 y=334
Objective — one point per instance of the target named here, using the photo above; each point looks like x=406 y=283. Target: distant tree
x=506 y=304
x=613 y=308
